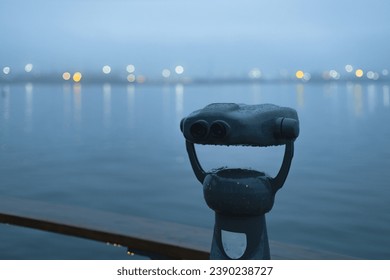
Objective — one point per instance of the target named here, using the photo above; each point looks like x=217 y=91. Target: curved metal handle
x=198 y=170
x=280 y=178
x=276 y=182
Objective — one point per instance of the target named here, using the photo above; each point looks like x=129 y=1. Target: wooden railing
x=149 y=237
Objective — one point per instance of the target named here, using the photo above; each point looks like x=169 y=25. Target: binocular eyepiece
x=233 y=124
x=201 y=129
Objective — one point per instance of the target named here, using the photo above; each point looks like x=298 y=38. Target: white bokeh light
x=6 y=70
x=106 y=69
x=130 y=68
x=131 y=78
x=179 y=69
x=28 y=68
x=166 y=73
x=349 y=68
x=334 y=74
x=255 y=73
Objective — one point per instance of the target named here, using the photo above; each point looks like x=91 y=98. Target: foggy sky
x=204 y=36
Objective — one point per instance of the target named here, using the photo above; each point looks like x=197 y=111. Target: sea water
x=118 y=148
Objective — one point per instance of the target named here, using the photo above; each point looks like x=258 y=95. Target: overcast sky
x=203 y=35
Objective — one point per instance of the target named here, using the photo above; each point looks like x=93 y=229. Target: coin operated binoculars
x=240 y=197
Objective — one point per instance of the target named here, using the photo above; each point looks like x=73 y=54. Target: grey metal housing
x=240 y=124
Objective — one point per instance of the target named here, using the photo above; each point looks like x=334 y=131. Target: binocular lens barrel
x=199 y=129
x=219 y=129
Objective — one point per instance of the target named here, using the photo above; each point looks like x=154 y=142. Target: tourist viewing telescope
x=240 y=197
x=239 y=124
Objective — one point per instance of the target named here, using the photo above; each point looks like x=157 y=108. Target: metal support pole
x=240 y=238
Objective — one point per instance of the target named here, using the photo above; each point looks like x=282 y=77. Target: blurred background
x=92 y=94
x=208 y=39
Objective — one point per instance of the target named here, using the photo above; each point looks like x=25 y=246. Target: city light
x=349 y=68
x=66 y=76
x=166 y=73
x=77 y=77
x=299 y=74
x=334 y=74
x=179 y=69
x=359 y=73
x=255 y=73
x=131 y=78
x=141 y=79
x=127 y=74
x=106 y=69
x=28 y=68
x=306 y=77
x=372 y=75
x=130 y=68
x=6 y=70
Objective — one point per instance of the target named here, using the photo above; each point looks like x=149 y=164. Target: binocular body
x=240 y=124
x=240 y=198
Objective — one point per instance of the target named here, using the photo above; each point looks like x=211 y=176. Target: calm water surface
x=119 y=148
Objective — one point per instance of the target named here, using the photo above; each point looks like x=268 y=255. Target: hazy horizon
x=204 y=37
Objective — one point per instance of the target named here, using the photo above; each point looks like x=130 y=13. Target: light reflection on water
x=119 y=148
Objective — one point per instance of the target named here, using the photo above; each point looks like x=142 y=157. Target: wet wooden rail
x=170 y=240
